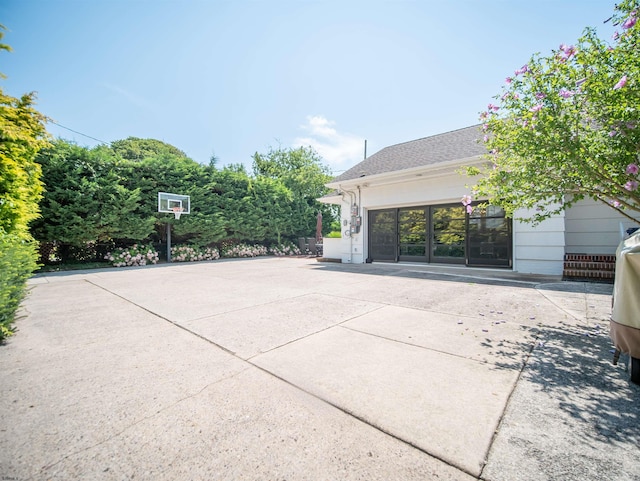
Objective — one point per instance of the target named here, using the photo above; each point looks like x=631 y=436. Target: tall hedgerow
x=22 y=135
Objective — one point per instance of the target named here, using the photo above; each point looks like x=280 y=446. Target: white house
x=403 y=204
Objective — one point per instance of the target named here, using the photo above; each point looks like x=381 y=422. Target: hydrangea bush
x=190 y=254
x=244 y=250
x=133 y=256
x=284 y=250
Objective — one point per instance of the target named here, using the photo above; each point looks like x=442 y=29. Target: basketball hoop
x=177 y=211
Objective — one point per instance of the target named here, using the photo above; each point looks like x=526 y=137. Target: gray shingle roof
x=458 y=144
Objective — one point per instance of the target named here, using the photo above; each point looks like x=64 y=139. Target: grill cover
x=625 y=325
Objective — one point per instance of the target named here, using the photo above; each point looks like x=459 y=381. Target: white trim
x=413 y=174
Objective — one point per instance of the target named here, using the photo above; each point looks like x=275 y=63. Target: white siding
x=437 y=190
x=593 y=228
x=588 y=227
x=539 y=249
x=332 y=247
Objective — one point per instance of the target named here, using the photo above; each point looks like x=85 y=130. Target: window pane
x=409 y=250
x=489 y=237
x=449 y=231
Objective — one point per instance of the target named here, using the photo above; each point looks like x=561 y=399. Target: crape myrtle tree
x=567 y=127
x=22 y=135
x=302 y=172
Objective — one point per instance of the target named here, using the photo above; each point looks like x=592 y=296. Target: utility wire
x=79 y=133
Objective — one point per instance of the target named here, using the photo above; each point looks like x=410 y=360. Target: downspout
x=352 y=199
x=360 y=215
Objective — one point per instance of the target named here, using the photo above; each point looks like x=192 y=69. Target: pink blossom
x=524 y=69
x=630 y=22
x=567 y=51
x=615 y=203
x=615 y=36
x=564 y=93
x=541 y=95
x=631 y=185
x=466 y=199
x=469 y=209
x=632 y=169
x=536 y=108
x=621 y=83
x=493 y=108
x=613 y=133
x=508 y=80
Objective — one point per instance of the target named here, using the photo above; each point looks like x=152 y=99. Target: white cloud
x=339 y=150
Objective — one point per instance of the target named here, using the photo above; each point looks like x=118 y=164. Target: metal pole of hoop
x=177 y=211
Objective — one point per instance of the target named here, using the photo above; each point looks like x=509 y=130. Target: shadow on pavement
x=492 y=277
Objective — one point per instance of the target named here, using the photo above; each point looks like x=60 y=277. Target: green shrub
x=17 y=262
x=334 y=234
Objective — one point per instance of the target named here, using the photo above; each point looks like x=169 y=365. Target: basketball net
x=177 y=211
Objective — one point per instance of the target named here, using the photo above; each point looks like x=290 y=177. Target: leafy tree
x=86 y=199
x=236 y=202
x=567 y=127
x=164 y=168
x=274 y=202
x=136 y=149
x=22 y=135
x=302 y=172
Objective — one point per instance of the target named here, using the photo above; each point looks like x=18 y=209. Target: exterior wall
x=539 y=249
x=439 y=190
x=588 y=227
x=594 y=228
x=332 y=248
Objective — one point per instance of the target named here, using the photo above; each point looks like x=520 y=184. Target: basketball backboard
x=172 y=203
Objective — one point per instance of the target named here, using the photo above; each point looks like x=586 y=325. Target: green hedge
x=17 y=262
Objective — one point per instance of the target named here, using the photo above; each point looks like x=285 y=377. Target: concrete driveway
x=290 y=369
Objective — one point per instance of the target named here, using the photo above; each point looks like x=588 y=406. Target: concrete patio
x=287 y=368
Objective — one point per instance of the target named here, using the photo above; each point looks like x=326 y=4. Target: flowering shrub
x=567 y=123
x=133 y=256
x=191 y=253
x=284 y=250
x=244 y=250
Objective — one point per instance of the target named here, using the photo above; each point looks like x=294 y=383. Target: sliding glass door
x=383 y=235
x=489 y=237
x=449 y=234
x=441 y=233
x=412 y=234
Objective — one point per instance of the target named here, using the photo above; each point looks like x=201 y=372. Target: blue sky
x=234 y=77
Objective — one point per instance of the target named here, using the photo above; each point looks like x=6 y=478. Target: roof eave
x=415 y=173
